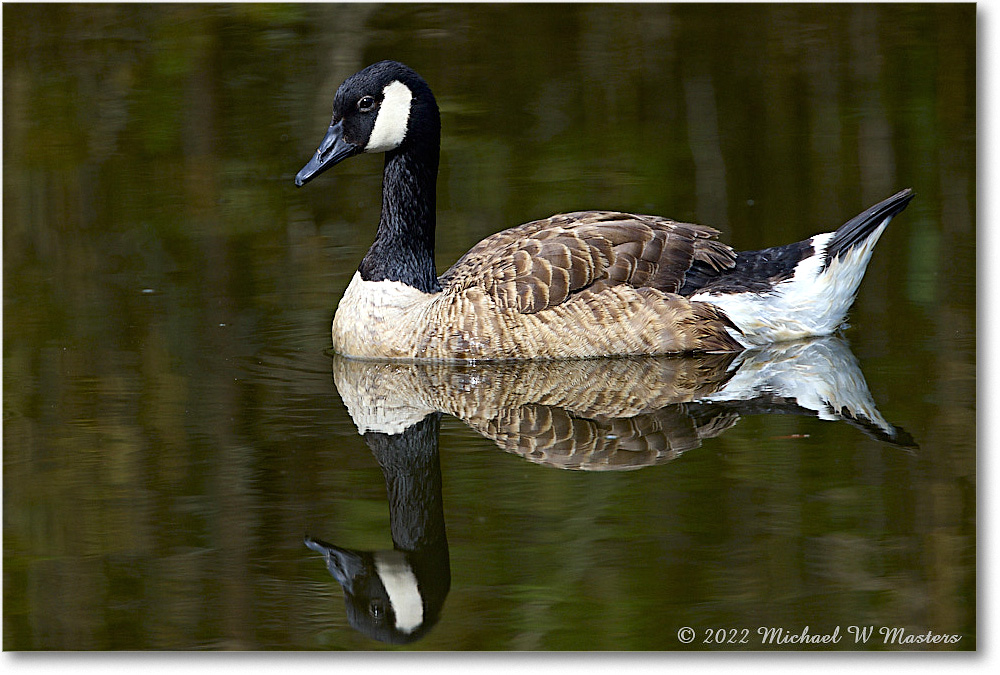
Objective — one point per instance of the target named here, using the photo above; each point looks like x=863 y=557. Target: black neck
x=404 y=244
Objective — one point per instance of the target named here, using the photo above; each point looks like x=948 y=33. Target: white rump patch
x=401 y=585
x=393 y=114
x=814 y=301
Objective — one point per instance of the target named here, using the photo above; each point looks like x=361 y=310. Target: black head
x=385 y=107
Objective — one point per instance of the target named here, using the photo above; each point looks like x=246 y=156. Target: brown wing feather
x=543 y=263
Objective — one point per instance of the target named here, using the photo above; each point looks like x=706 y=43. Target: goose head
x=384 y=108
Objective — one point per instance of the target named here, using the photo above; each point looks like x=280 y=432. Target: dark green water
x=172 y=426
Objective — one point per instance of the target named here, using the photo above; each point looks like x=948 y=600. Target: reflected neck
x=411 y=465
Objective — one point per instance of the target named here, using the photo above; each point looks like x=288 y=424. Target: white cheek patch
x=390 y=125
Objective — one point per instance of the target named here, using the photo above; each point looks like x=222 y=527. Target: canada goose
x=584 y=284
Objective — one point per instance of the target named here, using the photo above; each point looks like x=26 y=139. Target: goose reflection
x=614 y=414
x=396 y=596
x=607 y=414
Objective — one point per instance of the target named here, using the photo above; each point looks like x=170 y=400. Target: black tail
x=858 y=228
x=759 y=271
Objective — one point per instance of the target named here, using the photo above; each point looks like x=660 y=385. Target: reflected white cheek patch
x=401 y=586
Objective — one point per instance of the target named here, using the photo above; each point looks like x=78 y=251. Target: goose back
x=542 y=263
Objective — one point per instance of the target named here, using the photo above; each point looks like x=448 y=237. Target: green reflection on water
x=171 y=428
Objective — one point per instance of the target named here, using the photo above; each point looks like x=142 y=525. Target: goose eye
x=366 y=104
x=375 y=609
